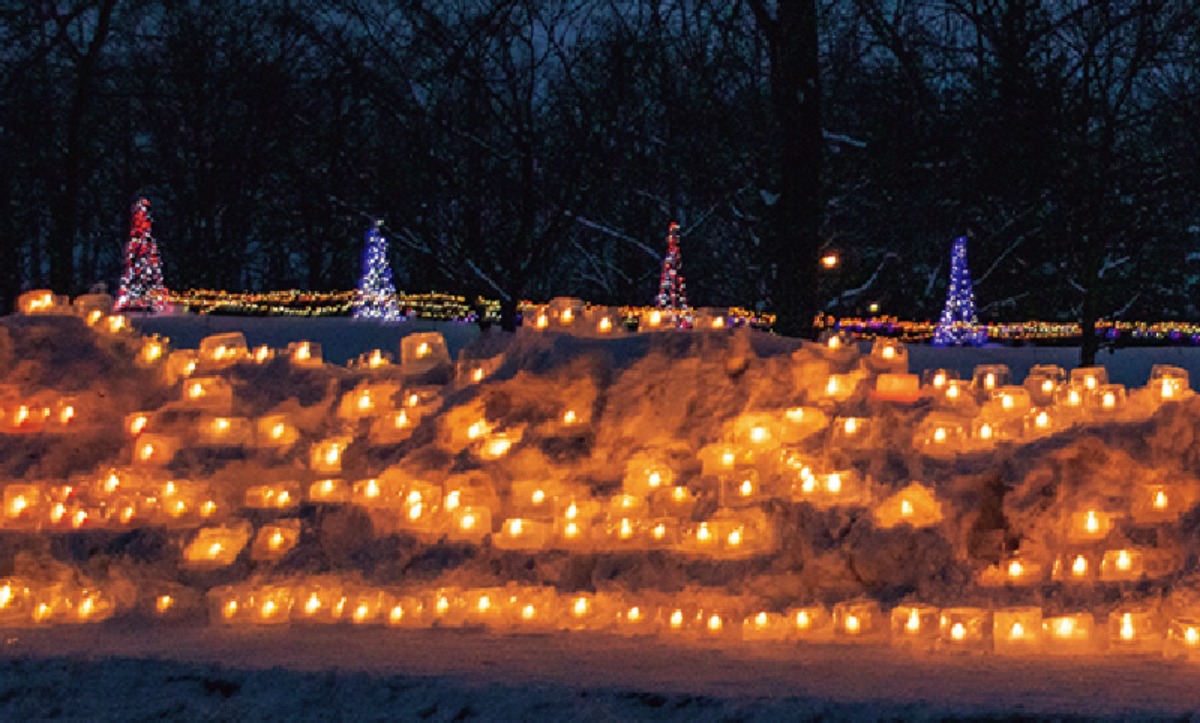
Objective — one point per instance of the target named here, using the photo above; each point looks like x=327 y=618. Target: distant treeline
x=529 y=149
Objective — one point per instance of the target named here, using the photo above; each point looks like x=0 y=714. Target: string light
x=672 y=292
x=376 y=298
x=959 y=325
x=142 y=282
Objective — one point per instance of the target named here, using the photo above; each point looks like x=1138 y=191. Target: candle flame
x=1079 y=566
x=853 y=624
x=163 y=604
x=1017 y=632
x=914 y=621
x=676 y=620
x=715 y=623
x=802 y=620
x=958 y=631
x=1127 y=631
x=1160 y=500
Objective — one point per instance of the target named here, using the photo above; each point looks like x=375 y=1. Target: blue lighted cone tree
x=672 y=292
x=376 y=297
x=141 y=286
x=959 y=325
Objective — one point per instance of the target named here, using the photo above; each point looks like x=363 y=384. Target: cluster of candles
x=689 y=615
x=977 y=413
x=699 y=615
x=573 y=315
x=24 y=603
x=120 y=499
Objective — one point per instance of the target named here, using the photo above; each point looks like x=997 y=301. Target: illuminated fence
x=1139 y=333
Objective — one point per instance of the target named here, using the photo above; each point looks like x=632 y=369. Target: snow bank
x=710 y=477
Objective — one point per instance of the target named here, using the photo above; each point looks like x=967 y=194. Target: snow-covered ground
x=321 y=673
x=677 y=402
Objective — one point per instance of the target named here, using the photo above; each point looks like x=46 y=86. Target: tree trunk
x=66 y=206
x=1090 y=344
x=792 y=245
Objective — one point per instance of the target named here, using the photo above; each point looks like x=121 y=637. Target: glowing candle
x=1017 y=630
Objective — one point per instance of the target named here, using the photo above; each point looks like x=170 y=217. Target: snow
x=315 y=673
x=670 y=397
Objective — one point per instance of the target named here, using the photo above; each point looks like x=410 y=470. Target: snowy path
x=289 y=671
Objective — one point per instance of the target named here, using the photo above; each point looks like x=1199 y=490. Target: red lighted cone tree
x=142 y=282
x=672 y=292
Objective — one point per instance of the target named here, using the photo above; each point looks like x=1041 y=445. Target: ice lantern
x=852 y=432
x=711 y=319
x=1017 y=630
x=644 y=474
x=275 y=541
x=1089 y=525
x=93 y=307
x=889 y=355
x=1043 y=382
x=859 y=620
x=1069 y=634
x=965 y=629
x=326 y=455
x=367 y=400
x=940 y=435
x=914 y=626
x=274 y=432
x=16 y=602
x=214 y=547
x=1007 y=402
x=1183 y=639
x=988 y=378
x=914 y=505
x=223 y=349
x=392 y=428
x=474 y=371
x=518 y=533
x=810 y=623
x=838 y=345
x=1134 y=630
x=901 y=388
x=42 y=301
x=223 y=431
x=1169 y=383
x=565 y=312
x=604 y=320
x=211 y=394
x=1108 y=399
x=423 y=352
x=304 y=354
x=1090 y=378
x=154 y=450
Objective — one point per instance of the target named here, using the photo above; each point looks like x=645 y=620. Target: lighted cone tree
x=672 y=292
x=376 y=297
x=142 y=282
x=959 y=325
